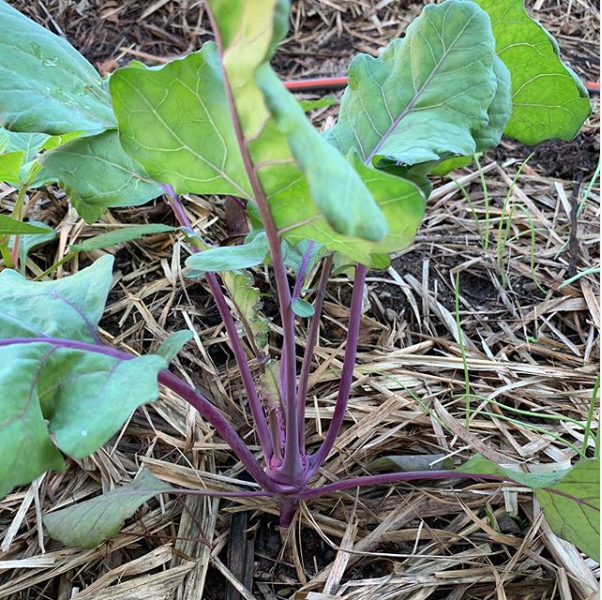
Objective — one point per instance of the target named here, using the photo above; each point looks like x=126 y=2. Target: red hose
x=337 y=83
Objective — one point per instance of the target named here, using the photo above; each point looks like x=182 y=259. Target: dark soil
x=556 y=158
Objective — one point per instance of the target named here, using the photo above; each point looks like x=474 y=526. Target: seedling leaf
x=89 y=523
x=229 y=258
x=35 y=240
x=58 y=90
x=302 y=308
x=173 y=343
x=120 y=236
x=10 y=167
x=11 y=226
x=247 y=299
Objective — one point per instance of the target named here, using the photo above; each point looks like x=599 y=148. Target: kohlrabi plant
x=220 y=122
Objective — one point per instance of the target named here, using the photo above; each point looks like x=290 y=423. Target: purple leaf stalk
x=286 y=473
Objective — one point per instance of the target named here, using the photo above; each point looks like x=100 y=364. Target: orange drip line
x=335 y=83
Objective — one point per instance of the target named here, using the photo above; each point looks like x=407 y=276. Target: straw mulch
x=470 y=322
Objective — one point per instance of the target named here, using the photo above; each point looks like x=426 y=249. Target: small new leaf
x=229 y=258
x=120 y=236
x=173 y=343
x=302 y=308
x=89 y=523
x=11 y=226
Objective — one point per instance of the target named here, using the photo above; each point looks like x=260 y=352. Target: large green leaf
x=89 y=523
x=426 y=97
x=400 y=201
x=572 y=507
x=76 y=397
x=282 y=143
x=66 y=308
x=175 y=122
x=549 y=101
x=100 y=173
x=55 y=393
x=45 y=84
x=570 y=499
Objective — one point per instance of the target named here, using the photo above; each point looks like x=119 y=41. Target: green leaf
x=28 y=143
x=173 y=343
x=399 y=200
x=27 y=450
x=295 y=253
x=570 y=499
x=423 y=98
x=229 y=258
x=61 y=395
x=549 y=101
x=247 y=299
x=100 y=173
x=28 y=146
x=499 y=111
x=30 y=242
x=175 y=122
x=10 y=167
x=323 y=102
x=283 y=145
x=302 y=308
x=89 y=523
x=269 y=386
x=45 y=84
x=572 y=507
x=11 y=226
x=120 y=236
x=336 y=189
x=66 y=308
x=81 y=396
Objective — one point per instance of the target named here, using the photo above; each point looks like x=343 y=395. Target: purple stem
x=353 y=330
x=385 y=478
x=291 y=467
x=255 y=405
x=303 y=269
x=194 y=398
x=312 y=338
x=297 y=294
